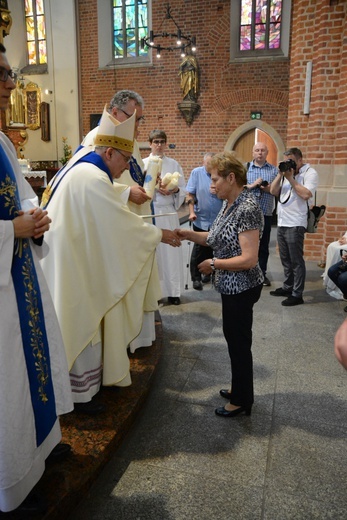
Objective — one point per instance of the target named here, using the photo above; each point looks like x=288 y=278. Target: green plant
x=67 y=152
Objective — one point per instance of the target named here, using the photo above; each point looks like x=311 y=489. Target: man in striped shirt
x=260 y=174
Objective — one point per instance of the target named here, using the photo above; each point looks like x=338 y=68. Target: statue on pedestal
x=189 y=72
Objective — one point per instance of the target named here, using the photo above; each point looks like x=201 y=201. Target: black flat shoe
x=225 y=393
x=233 y=413
x=174 y=300
x=197 y=285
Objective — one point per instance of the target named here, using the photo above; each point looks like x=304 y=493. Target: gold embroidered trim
x=46 y=195
x=36 y=340
x=8 y=190
x=114 y=142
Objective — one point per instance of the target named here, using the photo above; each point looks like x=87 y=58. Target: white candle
x=153 y=168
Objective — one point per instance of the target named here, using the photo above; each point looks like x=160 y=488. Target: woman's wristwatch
x=212 y=265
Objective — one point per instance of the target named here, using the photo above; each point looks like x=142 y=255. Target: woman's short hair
x=227 y=162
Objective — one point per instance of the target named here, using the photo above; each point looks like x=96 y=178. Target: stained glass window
x=36 y=32
x=260 y=27
x=130 y=23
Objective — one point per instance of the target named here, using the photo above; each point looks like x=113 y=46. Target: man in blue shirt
x=204 y=206
x=260 y=175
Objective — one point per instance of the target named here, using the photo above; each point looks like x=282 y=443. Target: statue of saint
x=17 y=104
x=189 y=72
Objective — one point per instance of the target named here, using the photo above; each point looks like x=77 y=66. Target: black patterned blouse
x=243 y=215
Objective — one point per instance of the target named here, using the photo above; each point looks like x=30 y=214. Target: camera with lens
x=263 y=184
x=286 y=166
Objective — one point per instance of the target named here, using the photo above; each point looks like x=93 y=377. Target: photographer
x=294 y=185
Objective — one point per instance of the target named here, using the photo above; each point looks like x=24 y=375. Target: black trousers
x=237 y=310
x=199 y=254
x=264 y=244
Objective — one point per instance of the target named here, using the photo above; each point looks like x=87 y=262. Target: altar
x=36 y=178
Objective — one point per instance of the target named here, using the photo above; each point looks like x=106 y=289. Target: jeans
x=339 y=276
x=291 y=247
x=237 y=310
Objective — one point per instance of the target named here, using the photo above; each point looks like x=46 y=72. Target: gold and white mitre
x=115 y=134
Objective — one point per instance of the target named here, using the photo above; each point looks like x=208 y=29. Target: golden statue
x=189 y=72
x=5 y=20
x=17 y=104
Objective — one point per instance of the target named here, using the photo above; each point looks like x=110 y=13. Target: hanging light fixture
x=165 y=41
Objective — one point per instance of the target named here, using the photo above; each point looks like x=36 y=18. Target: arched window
x=260 y=28
x=36 y=35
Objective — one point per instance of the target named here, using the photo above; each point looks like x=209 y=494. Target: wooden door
x=244 y=146
x=262 y=137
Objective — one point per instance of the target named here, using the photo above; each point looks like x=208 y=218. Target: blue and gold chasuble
x=30 y=310
x=135 y=170
x=89 y=157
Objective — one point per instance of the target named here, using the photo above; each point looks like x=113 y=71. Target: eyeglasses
x=127 y=158
x=140 y=119
x=5 y=74
x=158 y=141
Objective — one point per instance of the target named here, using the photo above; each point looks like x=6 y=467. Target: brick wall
x=229 y=91
x=222 y=111
x=319 y=35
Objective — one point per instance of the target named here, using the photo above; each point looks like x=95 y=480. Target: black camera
x=264 y=184
x=286 y=166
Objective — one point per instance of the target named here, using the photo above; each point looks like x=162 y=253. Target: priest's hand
x=171 y=238
x=42 y=221
x=138 y=195
x=28 y=225
x=31 y=224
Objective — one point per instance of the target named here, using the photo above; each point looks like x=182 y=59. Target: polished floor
x=159 y=452
x=287 y=461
